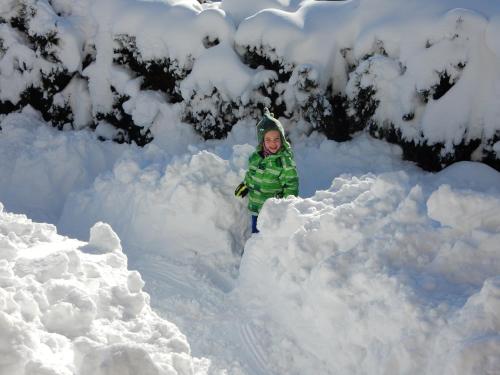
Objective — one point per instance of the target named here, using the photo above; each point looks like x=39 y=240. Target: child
x=271 y=169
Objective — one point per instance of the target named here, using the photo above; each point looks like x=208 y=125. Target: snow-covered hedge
x=424 y=75
x=38 y=60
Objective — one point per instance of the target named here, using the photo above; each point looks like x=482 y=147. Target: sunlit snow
x=116 y=259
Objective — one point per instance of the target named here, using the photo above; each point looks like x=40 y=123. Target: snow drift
x=377 y=268
x=70 y=307
x=382 y=274
x=385 y=269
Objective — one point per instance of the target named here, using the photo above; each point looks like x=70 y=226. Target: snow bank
x=40 y=166
x=381 y=272
x=64 y=310
x=183 y=208
x=320 y=160
x=465 y=210
x=152 y=197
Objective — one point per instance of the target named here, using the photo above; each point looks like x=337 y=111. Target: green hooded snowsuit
x=274 y=175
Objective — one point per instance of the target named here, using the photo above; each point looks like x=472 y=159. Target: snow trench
x=378 y=268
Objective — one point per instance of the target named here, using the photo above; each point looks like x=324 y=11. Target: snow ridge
x=67 y=307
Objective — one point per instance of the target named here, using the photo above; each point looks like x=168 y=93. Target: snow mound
x=184 y=208
x=466 y=210
x=40 y=166
x=64 y=311
x=361 y=277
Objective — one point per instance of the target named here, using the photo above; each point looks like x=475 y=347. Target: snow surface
x=67 y=307
x=377 y=268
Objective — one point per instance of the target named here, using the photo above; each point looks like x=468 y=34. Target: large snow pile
x=152 y=197
x=70 y=307
x=41 y=166
x=167 y=208
x=387 y=269
x=422 y=74
x=382 y=274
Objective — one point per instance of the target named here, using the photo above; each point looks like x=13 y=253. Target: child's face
x=272 y=141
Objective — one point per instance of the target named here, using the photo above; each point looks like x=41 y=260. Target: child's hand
x=241 y=190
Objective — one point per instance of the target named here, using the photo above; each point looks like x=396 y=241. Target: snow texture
x=377 y=268
x=64 y=310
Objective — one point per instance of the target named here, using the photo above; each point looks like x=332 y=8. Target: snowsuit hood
x=267 y=123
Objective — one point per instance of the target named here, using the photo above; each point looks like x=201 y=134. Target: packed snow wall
x=72 y=307
x=423 y=75
x=381 y=274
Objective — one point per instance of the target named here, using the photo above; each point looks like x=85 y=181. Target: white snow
x=213 y=69
x=361 y=278
x=377 y=268
x=64 y=310
x=41 y=166
x=384 y=269
x=103 y=238
x=167 y=202
x=418 y=40
x=238 y=10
